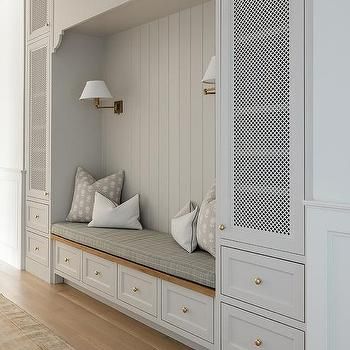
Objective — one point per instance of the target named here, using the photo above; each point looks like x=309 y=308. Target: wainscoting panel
x=327 y=281
x=165 y=140
x=11 y=185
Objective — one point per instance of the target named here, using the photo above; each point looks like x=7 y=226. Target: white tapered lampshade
x=95 y=89
x=210 y=74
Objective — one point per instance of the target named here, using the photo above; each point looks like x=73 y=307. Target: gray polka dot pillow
x=206 y=226
x=84 y=193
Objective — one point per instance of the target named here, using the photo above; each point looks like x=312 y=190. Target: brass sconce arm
x=118 y=106
x=209 y=91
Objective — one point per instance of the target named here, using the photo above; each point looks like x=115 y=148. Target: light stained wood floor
x=82 y=321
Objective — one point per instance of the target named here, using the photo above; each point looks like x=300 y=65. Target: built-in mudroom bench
x=145 y=272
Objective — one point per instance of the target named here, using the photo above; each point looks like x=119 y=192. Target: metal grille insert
x=38 y=120
x=39 y=14
x=261 y=120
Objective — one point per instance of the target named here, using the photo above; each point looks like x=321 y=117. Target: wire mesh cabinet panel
x=261 y=167
x=38 y=20
x=38 y=112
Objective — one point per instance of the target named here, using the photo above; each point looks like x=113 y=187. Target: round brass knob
x=221 y=227
x=36 y=249
x=46 y=193
x=184 y=309
x=258 y=342
x=66 y=260
x=97 y=273
x=37 y=216
x=258 y=281
x=135 y=289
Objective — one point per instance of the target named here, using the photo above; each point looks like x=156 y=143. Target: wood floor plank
x=82 y=321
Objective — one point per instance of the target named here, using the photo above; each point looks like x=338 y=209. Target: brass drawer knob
x=46 y=193
x=37 y=216
x=66 y=260
x=258 y=342
x=36 y=249
x=97 y=273
x=185 y=310
x=258 y=281
x=135 y=289
x=221 y=227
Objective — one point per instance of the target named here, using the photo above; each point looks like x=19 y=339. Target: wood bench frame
x=161 y=275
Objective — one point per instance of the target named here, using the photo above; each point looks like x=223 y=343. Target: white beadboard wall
x=165 y=140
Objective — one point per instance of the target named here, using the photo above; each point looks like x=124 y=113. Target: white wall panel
x=11 y=130
x=11 y=185
x=165 y=140
x=12 y=78
x=331 y=91
x=327 y=282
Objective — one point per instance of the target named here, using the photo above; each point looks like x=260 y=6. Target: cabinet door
x=38 y=112
x=261 y=128
x=38 y=16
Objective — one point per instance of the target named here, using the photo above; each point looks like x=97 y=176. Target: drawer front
x=38 y=216
x=191 y=311
x=137 y=289
x=270 y=283
x=38 y=248
x=99 y=273
x=68 y=260
x=242 y=330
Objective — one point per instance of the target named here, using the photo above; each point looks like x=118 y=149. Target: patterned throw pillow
x=206 y=226
x=84 y=193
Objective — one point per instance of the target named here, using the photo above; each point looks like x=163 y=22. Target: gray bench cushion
x=150 y=248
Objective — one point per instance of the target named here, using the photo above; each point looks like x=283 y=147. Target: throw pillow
x=84 y=193
x=206 y=227
x=183 y=227
x=108 y=214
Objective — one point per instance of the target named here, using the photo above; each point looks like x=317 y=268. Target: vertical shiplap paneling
x=209 y=121
x=165 y=140
x=174 y=115
x=145 y=126
x=122 y=124
x=196 y=104
x=185 y=106
x=163 y=125
x=134 y=184
x=154 y=124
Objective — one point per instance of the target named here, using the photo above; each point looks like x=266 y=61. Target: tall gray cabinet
x=261 y=175
x=37 y=116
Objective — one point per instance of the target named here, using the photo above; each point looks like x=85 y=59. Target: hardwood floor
x=82 y=321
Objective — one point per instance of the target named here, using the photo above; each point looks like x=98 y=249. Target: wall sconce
x=210 y=77
x=97 y=89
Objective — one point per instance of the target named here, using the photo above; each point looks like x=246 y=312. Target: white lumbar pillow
x=108 y=214
x=183 y=227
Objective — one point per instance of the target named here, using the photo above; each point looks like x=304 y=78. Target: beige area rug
x=21 y=331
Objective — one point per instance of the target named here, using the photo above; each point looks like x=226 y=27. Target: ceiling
x=132 y=14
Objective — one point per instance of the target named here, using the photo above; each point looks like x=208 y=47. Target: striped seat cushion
x=150 y=248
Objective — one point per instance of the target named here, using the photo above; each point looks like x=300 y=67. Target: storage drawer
x=137 y=289
x=68 y=260
x=38 y=216
x=38 y=248
x=270 y=283
x=242 y=330
x=99 y=273
x=191 y=311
